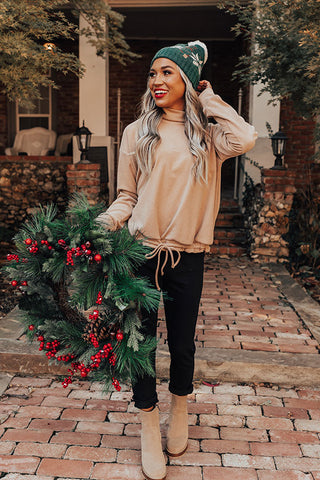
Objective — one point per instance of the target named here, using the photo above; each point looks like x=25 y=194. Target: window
x=39 y=116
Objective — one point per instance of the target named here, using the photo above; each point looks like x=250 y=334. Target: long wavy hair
x=195 y=128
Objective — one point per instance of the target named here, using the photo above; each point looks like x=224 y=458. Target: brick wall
x=300 y=145
x=65 y=108
x=132 y=80
x=85 y=178
x=27 y=181
x=67 y=104
x=67 y=96
x=3 y=123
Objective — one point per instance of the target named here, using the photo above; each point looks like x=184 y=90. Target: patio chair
x=33 y=141
x=62 y=145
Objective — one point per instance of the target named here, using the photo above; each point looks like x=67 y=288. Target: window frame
x=35 y=115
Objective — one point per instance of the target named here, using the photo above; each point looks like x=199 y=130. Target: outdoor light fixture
x=279 y=141
x=83 y=135
x=50 y=47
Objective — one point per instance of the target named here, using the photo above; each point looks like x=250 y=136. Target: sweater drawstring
x=162 y=247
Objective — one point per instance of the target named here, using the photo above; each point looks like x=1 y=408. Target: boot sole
x=150 y=478
x=176 y=454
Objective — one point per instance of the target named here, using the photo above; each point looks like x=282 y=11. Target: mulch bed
x=309 y=279
x=8 y=299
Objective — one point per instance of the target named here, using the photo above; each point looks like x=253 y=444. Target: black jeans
x=183 y=287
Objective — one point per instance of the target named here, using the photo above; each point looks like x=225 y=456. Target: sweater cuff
x=208 y=92
x=106 y=221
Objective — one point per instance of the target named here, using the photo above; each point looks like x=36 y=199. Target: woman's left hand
x=203 y=84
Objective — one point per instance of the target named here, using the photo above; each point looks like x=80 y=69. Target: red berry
x=14 y=283
x=28 y=241
x=24 y=283
x=119 y=336
x=98 y=257
x=31 y=327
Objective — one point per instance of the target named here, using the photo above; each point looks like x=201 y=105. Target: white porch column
x=260 y=114
x=93 y=101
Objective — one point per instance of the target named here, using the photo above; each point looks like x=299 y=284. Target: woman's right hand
x=203 y=85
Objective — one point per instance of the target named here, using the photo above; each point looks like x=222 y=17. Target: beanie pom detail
x=202 y=45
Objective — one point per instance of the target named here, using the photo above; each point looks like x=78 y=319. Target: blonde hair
x=195 y=128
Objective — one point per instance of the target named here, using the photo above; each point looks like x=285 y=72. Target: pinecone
x=103 y=327
x=96 y=327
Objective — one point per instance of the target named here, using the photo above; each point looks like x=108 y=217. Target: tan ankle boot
x=177 y=436
x=152 y=458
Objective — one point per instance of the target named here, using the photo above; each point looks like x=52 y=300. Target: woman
x=169 y=192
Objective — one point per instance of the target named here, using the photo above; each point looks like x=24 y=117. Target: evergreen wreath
x=79 y=294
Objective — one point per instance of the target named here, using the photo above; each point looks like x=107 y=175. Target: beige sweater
x=169 y=207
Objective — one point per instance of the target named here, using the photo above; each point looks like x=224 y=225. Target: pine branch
x=137 y=290
x=55 y=268
x=138 y=363
x=132 y=325
x=86 y=286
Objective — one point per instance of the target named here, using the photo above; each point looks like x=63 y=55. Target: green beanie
x=189 y=57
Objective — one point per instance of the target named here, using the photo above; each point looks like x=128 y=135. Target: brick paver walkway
x=237 y=432
x=243 y=308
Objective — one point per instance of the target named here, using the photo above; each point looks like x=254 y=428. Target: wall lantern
x=279 y=142
x=83 y=135
x=50 y=47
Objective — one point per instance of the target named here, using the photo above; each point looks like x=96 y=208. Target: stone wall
x=268 y=207
x=26 y=181
x=273 y=205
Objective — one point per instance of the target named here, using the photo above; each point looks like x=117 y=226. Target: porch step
x=229 y=236
x=230 y=250
x=229 y=204
x=230 y=219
